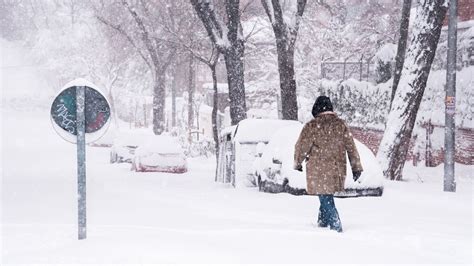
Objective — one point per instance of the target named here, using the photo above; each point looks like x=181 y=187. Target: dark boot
x=328 y=215
x=334 y=220
x=321 y=220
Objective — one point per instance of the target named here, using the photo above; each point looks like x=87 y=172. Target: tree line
x=137 y=44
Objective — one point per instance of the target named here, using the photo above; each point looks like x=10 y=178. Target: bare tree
x=181 y=26
x=197 y=49
x=229 y=40
x=108 y=74
x=401 y=119
x=192 y=39
x=402 y=44
x=285 y=17
x=191 y=89
x=156 y=52
x=212 y=62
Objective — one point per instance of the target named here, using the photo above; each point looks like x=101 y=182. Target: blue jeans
x=328 y=215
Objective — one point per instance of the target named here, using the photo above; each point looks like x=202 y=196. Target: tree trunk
x=286 y=69
x=191 y=75
x=286 y=32
x=401 y=119
x=112 y=108
x=235 y=79
x=215 y=105
x=402 y=44
x=159 y=103
x=173 y=99
x=230 y=42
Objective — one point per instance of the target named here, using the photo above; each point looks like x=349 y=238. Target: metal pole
x=81 y=162
x=428 y=144
x=449 y=181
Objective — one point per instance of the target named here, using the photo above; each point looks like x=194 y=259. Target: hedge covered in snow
x=364 y=104
x=360 y=103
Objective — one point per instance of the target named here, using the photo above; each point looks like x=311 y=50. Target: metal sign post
x=79 y=110
x=81 y=162
x=449 y=181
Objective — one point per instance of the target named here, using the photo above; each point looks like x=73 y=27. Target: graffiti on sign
x=64 y=113
x=63 y=110
x=66 y=119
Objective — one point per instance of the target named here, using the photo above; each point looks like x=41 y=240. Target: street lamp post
x=450 y=102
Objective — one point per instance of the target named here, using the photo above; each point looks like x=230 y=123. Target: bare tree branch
x=144 y=32
x=120 y=30
x=210 y=21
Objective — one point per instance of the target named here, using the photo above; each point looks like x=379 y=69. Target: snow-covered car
x=159 y=154
x=274 y=164
x=237 y=149
x=125 y=143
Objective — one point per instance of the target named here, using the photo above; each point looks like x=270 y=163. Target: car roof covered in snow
x=133 y=137
x=162 y=144
x=259 y=130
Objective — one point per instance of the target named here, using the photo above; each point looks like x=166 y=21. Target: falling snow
x=179 y=75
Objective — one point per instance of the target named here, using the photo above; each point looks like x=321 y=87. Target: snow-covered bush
x=360 y=103
x=465 y=49
x=364 y=104
x=432 y=106
x=203 y=147
x=384 y=62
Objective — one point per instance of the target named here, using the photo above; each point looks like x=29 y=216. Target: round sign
x=96 y=111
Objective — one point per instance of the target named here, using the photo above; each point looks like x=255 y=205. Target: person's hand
x=356 y=175
x=299 y=167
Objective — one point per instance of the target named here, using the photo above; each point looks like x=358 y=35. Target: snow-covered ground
x=164 y=218
x=188 y=218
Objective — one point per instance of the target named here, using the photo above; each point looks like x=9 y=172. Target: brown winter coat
x=324 y=141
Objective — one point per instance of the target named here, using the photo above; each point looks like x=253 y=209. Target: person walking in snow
x=323 y=143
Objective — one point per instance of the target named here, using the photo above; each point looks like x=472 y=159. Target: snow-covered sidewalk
x=188 y=218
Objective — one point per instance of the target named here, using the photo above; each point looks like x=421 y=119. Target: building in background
x=465 y=52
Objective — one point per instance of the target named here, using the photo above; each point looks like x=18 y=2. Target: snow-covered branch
x=144 y=33
x=122 y=32
x=212 y=23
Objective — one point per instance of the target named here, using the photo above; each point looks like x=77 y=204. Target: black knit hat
x=322 y=104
